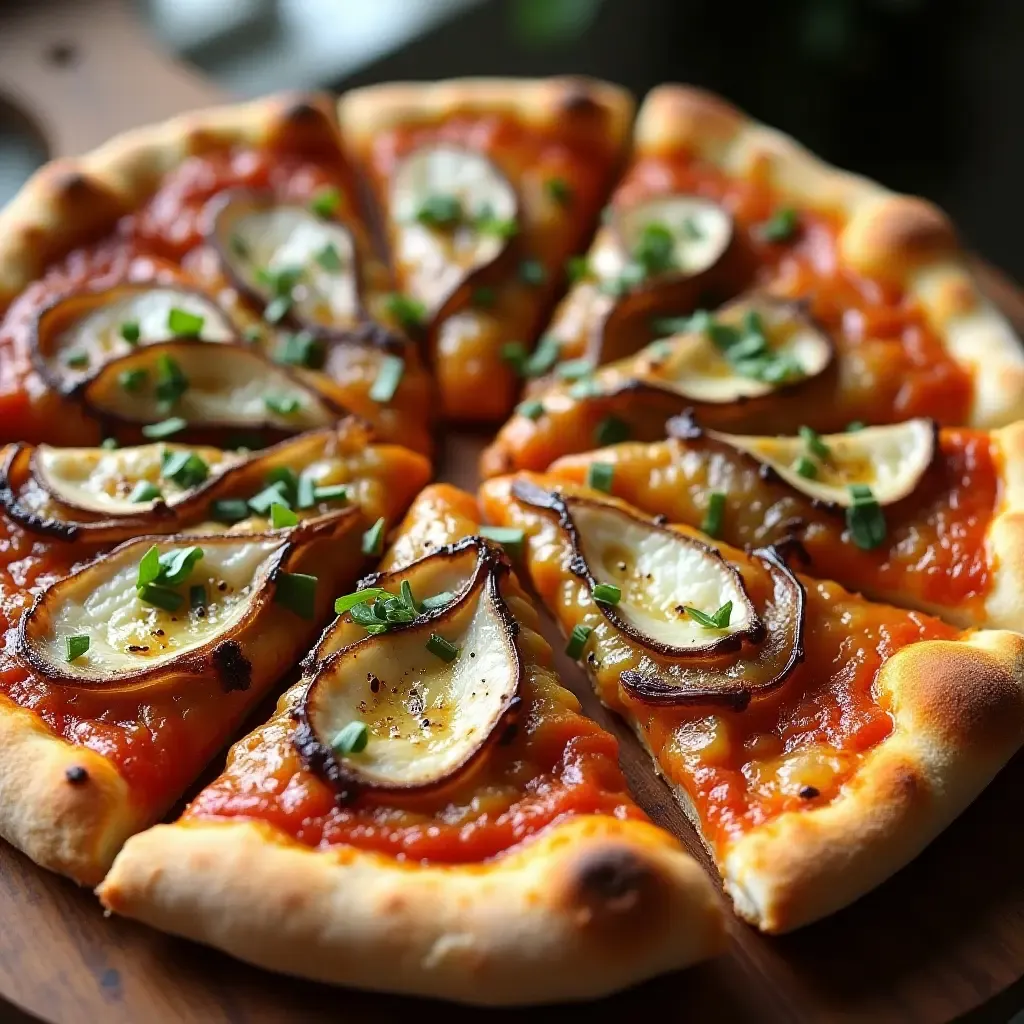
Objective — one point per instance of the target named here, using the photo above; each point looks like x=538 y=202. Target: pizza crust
x=589 y=906
x=899 y=239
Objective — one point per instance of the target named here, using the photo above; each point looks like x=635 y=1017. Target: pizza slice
x=488 y=186
x=818 y=741
x=428 y=811
x=738 y=275
x=208 y=278
x=125 y=669
x=907 y=513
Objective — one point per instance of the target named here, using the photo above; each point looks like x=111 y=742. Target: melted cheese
x=891 y=460
x=101 y=481
x=128 y=635
x=659 y=573
x=437 y=260
x=255 y=238
x=229 y=385
x=97 y=334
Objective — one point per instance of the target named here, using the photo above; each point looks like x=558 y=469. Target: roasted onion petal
x=440 y=253
x=735 y=682
x=891 y=460
x=76 y=335
x=426 y=718
x=231 y=387
x=285 y=251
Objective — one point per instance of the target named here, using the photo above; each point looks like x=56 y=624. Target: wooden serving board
x=942 y=938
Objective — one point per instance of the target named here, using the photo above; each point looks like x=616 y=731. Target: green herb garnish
x=716 y=620
x=352 y=739
x=712 y=524
x=388 y=378
x=577 y=640
x=297 y=592
x=438 y=646
x=75 y=646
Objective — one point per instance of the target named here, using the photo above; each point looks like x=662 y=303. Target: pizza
x=428 y=810
x=817 y=740
x=150 y=597
x=210 y=279
x=737 y=275
x=908 y=513
x=488 y=187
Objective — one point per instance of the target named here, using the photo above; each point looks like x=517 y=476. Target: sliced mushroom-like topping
x=752 y=674
x=890 y=460
x=294 y=262
x=455 y=212
x=747 y=350
x=412 y=706
x=665 y=590
x=76 y=335
x=152 y=607
x=209 y=387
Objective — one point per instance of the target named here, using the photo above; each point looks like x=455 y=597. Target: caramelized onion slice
x=425 y=716
x=748 y=676
x=891 y=460
x=285 y=251
x=454 y=213
x=228 y=386
x=134 y=643
x=659 y=574
x=744 y=351
x=78 y=334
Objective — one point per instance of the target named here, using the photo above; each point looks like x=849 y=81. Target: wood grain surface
x=940 y=939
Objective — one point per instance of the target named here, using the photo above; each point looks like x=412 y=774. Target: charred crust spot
x=613 y=880
x=768 y=474
x=74 y=186
x=301 y=111
x=578 y=101
x=660 y=520
x=809 y=792
x=76 y=775
x=232 y=667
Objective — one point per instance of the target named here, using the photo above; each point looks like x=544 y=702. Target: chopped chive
x=407 y=597
x=388 y=378
x=716 y=620
x=149 y=567
x=305 y=492
x=75 y=646
x=229 y=510
x=252 y=334
x=171 y=382
x=132 y=380
x=176 y=566
x=286 y=477
x=435 y=601
x=131 y=331
x=277 y=309
x=77 y=360
x=333 y=492
x=262 y=502
x=438 y=646
x=239 y=247
x=409 y=312
x=197 y=597
x=559 y=190
x=160 y=597
x=282 y=405
x=806 y=467
x=109 y=444
x=281 y=516
x=600 y=476
x=352 y=739
x=514 y=353
x=781 y=226
x=329 y=258
x=302 y=348
x=325 y=201
x=865 y=518
x=712 y=524
x=611 y=430
x=509 y=537
x=484 y=297
x=183 y=324
x=349 y=601
x=441 y=211
x=532 y=272
x=586 y=387
x=297 y=592
x=577 y=268
x=574 y=369
x=144 y=491
x=373 y=539
x=500 y=227
x=577 y=640
x=185 y=468
x=654 y=252
x=607 y=593
x=531 y=409
x=854 y=426
x=813 y=442
x=543 y=357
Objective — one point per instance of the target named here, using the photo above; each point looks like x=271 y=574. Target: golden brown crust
x=72 y=202
x=900 y=239
x=590 y=905
x=958 y=711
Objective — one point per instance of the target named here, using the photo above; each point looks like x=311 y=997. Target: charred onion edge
x=491 y=567
x=651 y=689
x=799 y=307
x=686 y=427
x=42 y=365
x=80 y=391
x=191 y=508
x=553 y=501
x=206 y=659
